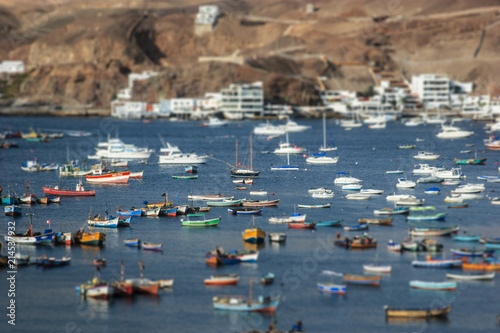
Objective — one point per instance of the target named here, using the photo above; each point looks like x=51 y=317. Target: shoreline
x=39 y=112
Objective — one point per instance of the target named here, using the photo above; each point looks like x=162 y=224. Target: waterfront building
x=242 y=100
x=12 y=67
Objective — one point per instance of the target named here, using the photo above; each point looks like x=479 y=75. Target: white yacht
x=287 y=148
x=452 y=132
x=469 y=188
x=173 y=155
x=268 y=129
x=405 y=183
x=426 y=169
x=322 y=159
x=292 y=126
x=125 y=151
x=414 y=122
x=454 y=173
x=344 y=179
x=426 y=155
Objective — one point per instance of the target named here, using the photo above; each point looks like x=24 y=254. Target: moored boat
x=239 y=303
x=132 y=242
x=152 y=246
x=424 y=312
x=361 y=279
x=471 y=277
x=245 y=211
x=222 y=280
x=109 y=178
x=427 y=285
x=373 y=268
x=202 y=222
x=79 y=191
x=302 y=225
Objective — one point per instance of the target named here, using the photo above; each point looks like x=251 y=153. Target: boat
x=245 y=255
x=452 y=132
x=361 y=279
x=200 y=222
x=465 y=252
x=358 y=196
x=393 y=246
x=184 y=177
x=225 y=203
x=473 y=161
x=172 y=155
x=489 y=240
x=330 y=287
x=212 y=197
x=12 y=210
x=358 y=227
x=73 y=170
x=425 y=217
x=425 y=155
x=481 y=266
x=277 y=237
x=109 y=178
x=437 y=263
x=292 y=126
x=335 y=223
x=132 y=242
x=426 y=169
x=79 y=191
x=410 y=200
x=52 y=262
x=376 y=221
x=268 y=129
x=253 y=235
x=245 y=210
x=321 y=158
x=424 y=245
x=119 y=163
x=191 y=169
x=33 y=165
x=239 y=303
x=96 y=288
x=405 y=183
x=222 y=280
x=454 y=173
x=302 y=225
x=152 y=246
x=219 y=257
x=493 y=143
x=244 y=171
x=471 y=277
x=65 y=238
x=325 y=147
x=143 y=285
x=258 y=193
x=243 y=181
x=31 y=237
x=214 y=122
x=451 y=182
x=423 y=312
x=318 y=190
x=429 y=179
x=380 y=125
x=267 y=278
x=325 y=205
x=348 y=187
x=466 y=238
x=394 y=172
x=262 y=203
x=433 y=231
x=432 y=190
x=469 y=188
x=89 y=237
x=324 y=195
x=373 y=268
x=427 y=285
x=357 y=242
x=343 y=179
x=391 y=211
x=371 y=191
x=287 y=167
x=103 y=222
x=287 y=148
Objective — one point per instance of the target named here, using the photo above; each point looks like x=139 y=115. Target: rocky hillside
x=80 y=52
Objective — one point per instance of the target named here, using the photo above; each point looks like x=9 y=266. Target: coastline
x=50 y=112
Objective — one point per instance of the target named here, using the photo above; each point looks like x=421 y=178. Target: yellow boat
x=417 y=312
x=89 y=238
x=254 y=235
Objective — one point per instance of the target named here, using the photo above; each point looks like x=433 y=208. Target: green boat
x=185 y=177
x=199 y=223
x=224 y=203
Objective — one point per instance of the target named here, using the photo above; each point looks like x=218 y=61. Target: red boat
x=109 y=178
x=302 y=225
x=79 y=191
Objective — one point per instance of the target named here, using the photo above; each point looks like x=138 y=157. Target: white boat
x=405 y=183
x=414 y=122
x=287 y=148
x=214 y=122
x=438 y=119
x=296 y=218
x=268 y=129
x=430 y=179
x=426 y=169
x=322 y=159
x=318 y=190
x=358 y=196
x=258 y=192
x=116 y=149
x=452 y=132
x=170 y=149
x=394 y=172
x=292 y=126
x=467 y=196
x=371 y=191
x=375 y=119
x=352 y=187
x=287 y=167
x=469 y=188
x=372 y=268
x=453 y=199
x=277 y=236
x=324 y=195
x=343 y=179
x=451 y=182
x=425 y=155
x=180 y=158
x=380 y=125
x=350 y=123
x=453 y=173
x=398 y=197
x=471 y=277
x=410 y=202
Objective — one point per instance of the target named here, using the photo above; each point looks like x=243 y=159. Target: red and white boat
x=222 y=280
x=64 y=238
x=109 y=178
x=79 y=191
x=28 y=198
x=102 y=291
x=136 y=175
x=492 y=143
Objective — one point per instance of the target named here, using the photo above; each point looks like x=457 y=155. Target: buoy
x=484 y=151
x=304 y=155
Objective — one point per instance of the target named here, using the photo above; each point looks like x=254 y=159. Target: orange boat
x=482 y=266
x=222 y=280
x=362 y=279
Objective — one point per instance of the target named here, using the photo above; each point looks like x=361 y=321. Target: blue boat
x=129 y=212
x=358 y=227
x=492 y=246
x=335 y=223
x=332 y=288
x=432 y=190
x=124 y=222
x=170 y=211
x=191 y=169
x=12 y=210
x=240 y=303
x=466 y=238
x=471 y=252
x=10 y=200
x=435 y=263
x=133 y=242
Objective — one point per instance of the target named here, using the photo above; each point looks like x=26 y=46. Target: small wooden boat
x=391 y=211
x=406 y=146
x=42 y=201
x=245 y=256
x=376 y=221
x=466 y=238
x=482 y=266
x=52 y=262
x=219 y=257
x=464 y=252
x=445 y=286
x=222 y=280
x=151 y=212
x=191 y=169
x=185 y=177
x=361 y=279
x=144 y=286
x=245 y=210
x=152 y=246
x=12 y=210
x=424 y=312
x=242 y=188
x=133 y=242
x=277 y=237
x=224 y=203
x=106 y=222
x=458 y=205
x=258 y=192
x=253 y=235
x=359 y=227
x=65 y=238
x=212 y=197
x=136 y=175
x=89 y=238
x=302 y=225
x=372 y=268
x=325 y=205
x=262 y=203
x=335 y=223
x=243 y=181
x=132 y=212
x=433 y=231
x=471 y=277
x=267 y=278
x=109 y=178
x=393 y=246
x=297 y=218
x=490 y=240
x=96 y=288
x=443 y=263
x=332 y=288
x=241 y=304
x=200 y=222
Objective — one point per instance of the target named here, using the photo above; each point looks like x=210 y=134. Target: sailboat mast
x=236 y=154
x=324 y=130
x=251 y=164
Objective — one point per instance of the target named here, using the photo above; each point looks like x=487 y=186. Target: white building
x=145 y=75
x=207 y=15
x=241 y=100
x=124 y=94
x=433 y=89
x=128 y=109
x=210 y=102
x=12 y=67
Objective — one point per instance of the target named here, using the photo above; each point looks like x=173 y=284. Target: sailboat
x=287 y=167
x=244 y=172
x=324 y=146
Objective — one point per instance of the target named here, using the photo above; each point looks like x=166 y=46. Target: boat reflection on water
x=419 y=324
x=97 y=308
x=254 y=247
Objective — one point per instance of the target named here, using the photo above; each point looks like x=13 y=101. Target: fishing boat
x=132 y=212
x=427 y=285
x=244 y=171
x=73 y=170
x=31 y=237
x=222 y=280
x=481 y=266
x=43 y=201
x=393 y=246
x=277 y=236
x=318 y=190
x=473 y=161
x=465 y=252
x=267 y=278
x=433 y=231
x=224 y=203
x=103 y=222
x=33 y=165
x=202 y=222
x=79 y=191
x=325 y=205
x=373 y=268
x=52 y=262
x=335 y=223
x=184 y=177
x=132 y=242
x=490 y=240
x=243 y=181
x=150 y=212
x=191 y=169
x=471 y=277
x=424 y=312
x=330 y=287
x=361 y=279
x=263 y=203
x=212 y=197
x=376 y=221
x=219 y=257
x=358 y=227
x=54 y=199
x=239 y=303
x=144 y=286
x=425 y=155
x=458 y=205
x=295 y=217
x=96 y=288
x=357 y=242
x=245 y=211
x=424 y=245
x=152 y=246
x=391 y=211
x=109 y=178
x=253 y=235
x=407 y=146
x=453 y=173
x=65 y=238
x=89 y=237
x=12 y=210
x=466 y=238
x=302 y=225
x=441 y=263
x=245 y=255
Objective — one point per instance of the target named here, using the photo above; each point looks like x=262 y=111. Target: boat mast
x=236 y=154
x=251 y=164
x=324 y=129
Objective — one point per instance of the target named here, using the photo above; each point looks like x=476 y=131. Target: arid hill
x=80 y=52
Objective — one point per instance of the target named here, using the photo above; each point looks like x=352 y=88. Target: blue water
x=46 y=300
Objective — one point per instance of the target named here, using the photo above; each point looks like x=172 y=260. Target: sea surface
x=46 y=300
